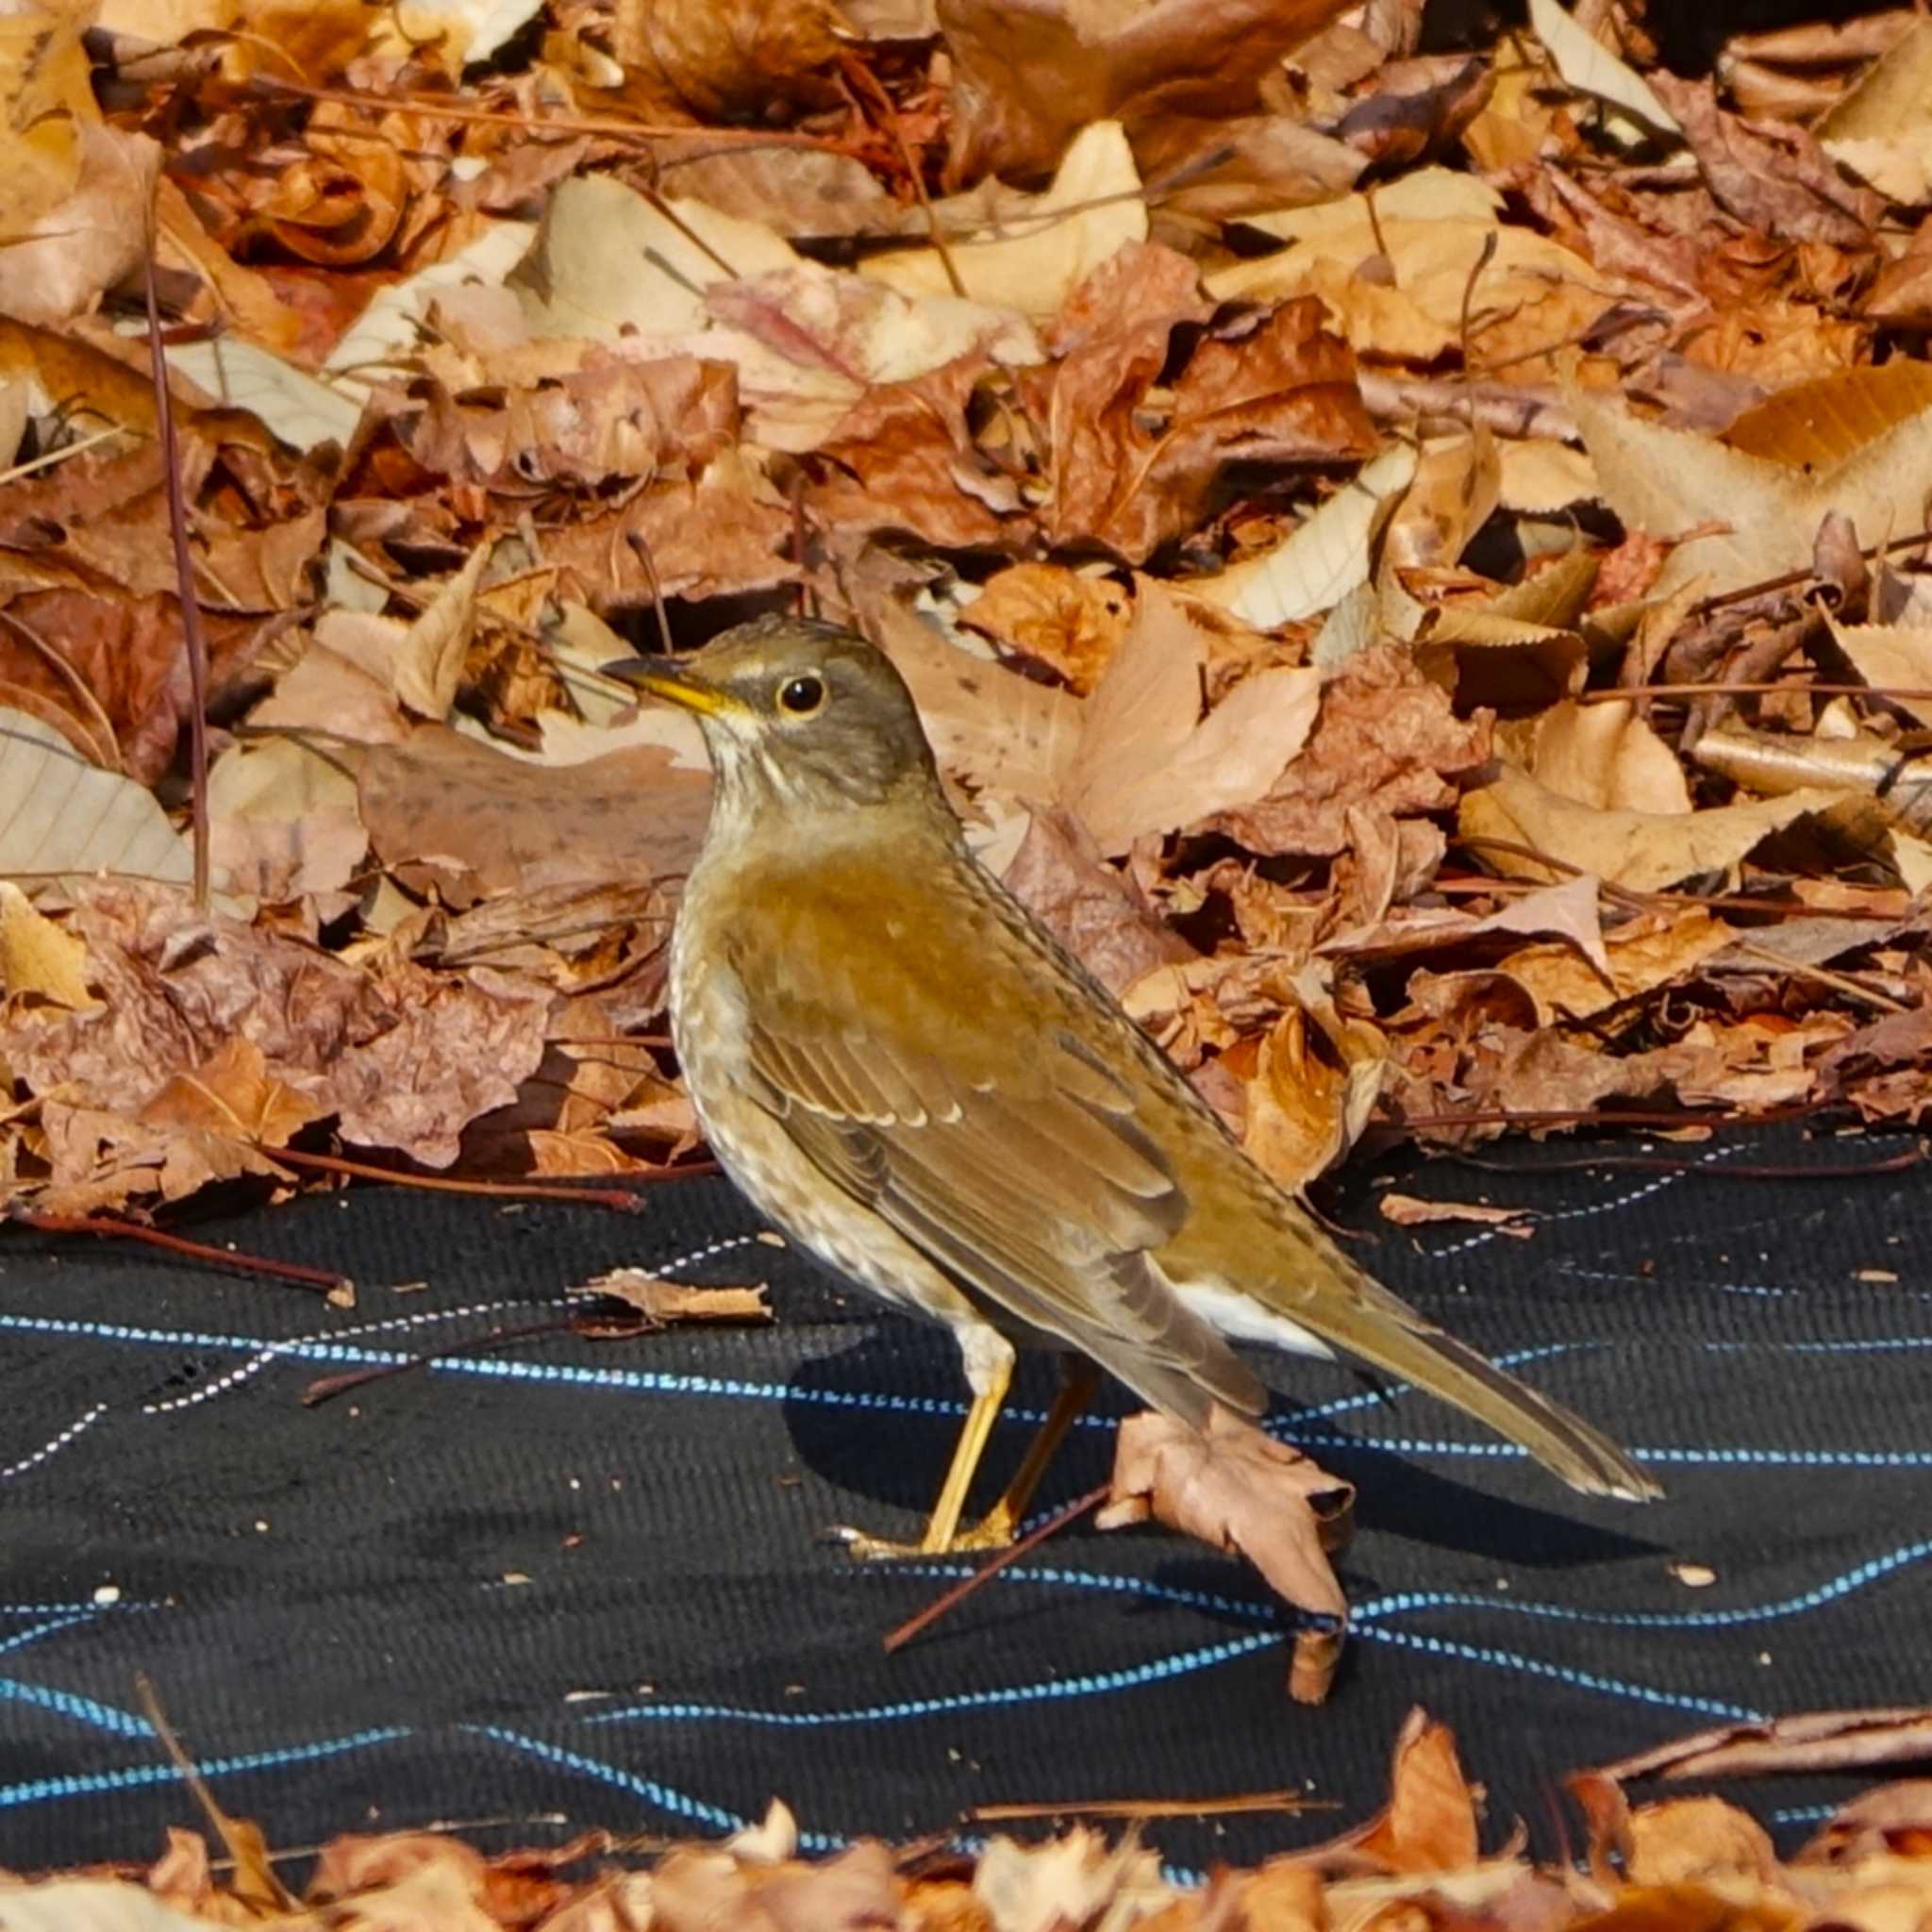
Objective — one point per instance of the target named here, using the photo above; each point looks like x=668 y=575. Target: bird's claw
x=993 y=1531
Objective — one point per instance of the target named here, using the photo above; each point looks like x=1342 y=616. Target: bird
x=903 y=1070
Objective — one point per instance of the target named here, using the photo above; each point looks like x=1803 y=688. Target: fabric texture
x=560 y=1581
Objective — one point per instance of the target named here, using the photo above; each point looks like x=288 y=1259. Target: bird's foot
x=993 y=1531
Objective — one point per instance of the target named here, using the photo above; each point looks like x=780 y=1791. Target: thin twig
x=632 y=132
x=898 y=1639
x=184 y=579
x=325 y=1387
x=1623 y=693
x=867 y=82
x=1143 y=1809
x=509 y=1190
x=43 y=1222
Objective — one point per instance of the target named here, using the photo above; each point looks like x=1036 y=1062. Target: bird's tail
x=1381 y=1329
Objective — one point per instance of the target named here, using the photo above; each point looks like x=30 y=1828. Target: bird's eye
x=801 y=696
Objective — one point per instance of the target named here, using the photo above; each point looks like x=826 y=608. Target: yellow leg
x=940 y=1530
x=1079 y=1378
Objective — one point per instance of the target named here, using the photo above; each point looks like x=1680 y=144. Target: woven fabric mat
x=563 y=1582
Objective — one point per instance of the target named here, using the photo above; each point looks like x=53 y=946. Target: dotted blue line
x=1654 y=1620
x=133 y=1777
x=1133 y=1678
x=662 y=1796
x=1537 y=1667
x=676 y=1802
x=653 y=1381
x=71 y=1704
x=20 y=1639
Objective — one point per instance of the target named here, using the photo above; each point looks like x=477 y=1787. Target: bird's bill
x=673 y=683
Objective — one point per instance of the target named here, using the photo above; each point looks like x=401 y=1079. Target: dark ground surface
x=574 y=1582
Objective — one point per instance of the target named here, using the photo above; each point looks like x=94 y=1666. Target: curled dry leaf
x=664 y=1302
x=1815 y=1740
x=1411 y=1210
x=1242 y=1491
x=1386 y=737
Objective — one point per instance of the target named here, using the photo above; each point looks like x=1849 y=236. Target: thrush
x=906 y=1071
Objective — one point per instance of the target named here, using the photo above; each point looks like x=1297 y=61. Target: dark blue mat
x=576 y=1581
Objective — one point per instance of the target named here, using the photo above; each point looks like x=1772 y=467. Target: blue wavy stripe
x=1046 y=1690
x=1840 y=1586
x=657 y=1382
x=1540 y=1666
x=135 y=1776
x=71 y=1704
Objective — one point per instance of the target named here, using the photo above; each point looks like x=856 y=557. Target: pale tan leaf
x=1038 y=257
x=428 y=663
x=1644 y=851
x=1591 y=68
x=607 y=263
x=62 y=817
x=90 y=1904
x=302 y=410
x=1411 y=1210
x=1324 y=559
x=1894 y=656
x=1601 y=755
x=678 y=1301
x=1147 y=762
x=1669 y=484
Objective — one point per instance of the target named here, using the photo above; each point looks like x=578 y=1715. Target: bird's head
x=802 y=712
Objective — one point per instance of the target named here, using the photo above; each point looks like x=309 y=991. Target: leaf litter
x=1674 y=1862
x=1414 y=564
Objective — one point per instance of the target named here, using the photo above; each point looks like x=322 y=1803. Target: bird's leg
x=989 y=1369
x=1079 y=1379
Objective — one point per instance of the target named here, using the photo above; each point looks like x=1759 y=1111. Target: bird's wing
x=943 y=1094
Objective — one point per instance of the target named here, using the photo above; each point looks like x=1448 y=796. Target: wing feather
x=1015 y=1160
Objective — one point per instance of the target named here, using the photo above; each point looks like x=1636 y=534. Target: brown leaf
x=1129 y=470
x=1770 y=177
x=1242 y=1491
x=405 y=1058
x=1644 y=851
x=1147 y=761
x=1411 y=1210
x=1813 y=1741
x=904 y=458
x=1068 y=621
x=1386 y=735
x=503 y=824
x=724 y=58
x=1430 y=1825
x=678 y=1301
x=232 y=1093
x=1060 y=877
x=1028 y=74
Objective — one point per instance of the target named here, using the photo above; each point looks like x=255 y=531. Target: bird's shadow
x=890 y=1462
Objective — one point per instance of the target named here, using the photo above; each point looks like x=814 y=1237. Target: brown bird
x=913 y=1079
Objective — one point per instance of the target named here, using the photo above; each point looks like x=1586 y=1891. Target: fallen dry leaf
x=665 y=1302
x=1242 y=1491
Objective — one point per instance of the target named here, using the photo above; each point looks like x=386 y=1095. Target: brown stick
x=508 y=1190
x=196 y=644
x=898 y=1639
x=109 y=1229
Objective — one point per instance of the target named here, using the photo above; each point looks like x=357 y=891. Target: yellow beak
x=661 y=678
